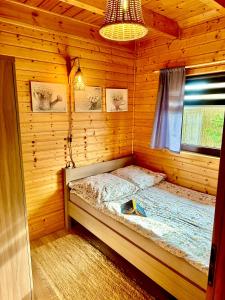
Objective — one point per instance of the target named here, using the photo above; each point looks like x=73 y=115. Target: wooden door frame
x=216 y=287
x=17 y=273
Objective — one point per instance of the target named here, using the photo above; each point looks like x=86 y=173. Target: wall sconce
x=78 y=79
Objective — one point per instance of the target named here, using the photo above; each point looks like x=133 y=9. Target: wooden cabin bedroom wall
x=198 y=44
x=96 y=136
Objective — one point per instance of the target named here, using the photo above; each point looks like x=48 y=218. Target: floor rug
x=77 y=270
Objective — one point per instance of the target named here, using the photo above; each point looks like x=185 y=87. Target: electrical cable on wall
x=75 y=82
x=133 y=96
x=70 y=163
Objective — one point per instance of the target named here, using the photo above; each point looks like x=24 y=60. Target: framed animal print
x=48 y=97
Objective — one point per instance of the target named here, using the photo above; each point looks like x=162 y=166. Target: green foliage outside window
x=203 y=126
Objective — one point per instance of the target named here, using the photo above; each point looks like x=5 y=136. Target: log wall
x=40 y=56
x=198 y=45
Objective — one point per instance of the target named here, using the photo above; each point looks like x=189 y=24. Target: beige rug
x=77 y=270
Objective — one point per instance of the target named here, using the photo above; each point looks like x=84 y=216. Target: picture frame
x=48 y=97
x=88 y=100
x=116 y=99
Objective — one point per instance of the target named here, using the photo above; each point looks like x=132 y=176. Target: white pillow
x=102 y=188
x=139 y=176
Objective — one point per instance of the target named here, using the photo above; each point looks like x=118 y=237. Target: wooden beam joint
x=161 y=23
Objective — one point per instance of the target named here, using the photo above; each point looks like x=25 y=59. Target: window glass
x=203 y=118
x=203 y=125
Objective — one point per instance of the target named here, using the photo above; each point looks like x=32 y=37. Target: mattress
x=178 y=219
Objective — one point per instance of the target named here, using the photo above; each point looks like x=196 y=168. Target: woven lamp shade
x=123 y=21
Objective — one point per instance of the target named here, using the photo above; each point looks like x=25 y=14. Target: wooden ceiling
x=162 y=16
x=187 y=12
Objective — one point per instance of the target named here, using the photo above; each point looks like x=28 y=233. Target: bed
x=175 y=273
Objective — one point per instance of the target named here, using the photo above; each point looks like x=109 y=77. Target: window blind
x=205 y=89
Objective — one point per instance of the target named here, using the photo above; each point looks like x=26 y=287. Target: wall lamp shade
x=123 y=21
x=79 y=83
x=76 y=77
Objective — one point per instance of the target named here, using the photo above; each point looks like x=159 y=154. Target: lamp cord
x=133 y=100
x=71 y=163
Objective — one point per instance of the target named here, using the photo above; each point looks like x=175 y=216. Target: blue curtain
x=167 y=128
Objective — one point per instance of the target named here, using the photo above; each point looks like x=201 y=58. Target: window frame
x=201 y=150
x=216 y=102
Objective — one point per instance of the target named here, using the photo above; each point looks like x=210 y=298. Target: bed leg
x=68 y=223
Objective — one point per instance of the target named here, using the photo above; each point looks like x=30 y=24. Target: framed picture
x=48 y=97
x=116 y=100
x=88 y=100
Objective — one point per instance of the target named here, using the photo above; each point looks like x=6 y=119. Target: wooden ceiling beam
x=152 y=19
x=35 y=16
x=87 y=5
x=161 y=23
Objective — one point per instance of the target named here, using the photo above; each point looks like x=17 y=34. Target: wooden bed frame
x=172 y=273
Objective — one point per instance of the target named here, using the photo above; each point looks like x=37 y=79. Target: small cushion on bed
x=103 y=188
x=139 y=176
x=132 y=207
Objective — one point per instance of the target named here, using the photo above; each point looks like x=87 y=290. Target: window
x=203 y=118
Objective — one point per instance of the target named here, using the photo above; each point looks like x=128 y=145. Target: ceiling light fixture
x=123 y=21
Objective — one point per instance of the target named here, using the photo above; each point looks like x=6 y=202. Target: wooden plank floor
x=44 y=289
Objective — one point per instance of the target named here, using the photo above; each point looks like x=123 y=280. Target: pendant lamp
x=123 y=21
x=79 y=83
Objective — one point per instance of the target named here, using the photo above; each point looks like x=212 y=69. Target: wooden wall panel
x=198 y=44
x=40 y=56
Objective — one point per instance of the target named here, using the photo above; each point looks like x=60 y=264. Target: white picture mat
x=88 y=100
x=48 y=97
x=116 y=100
